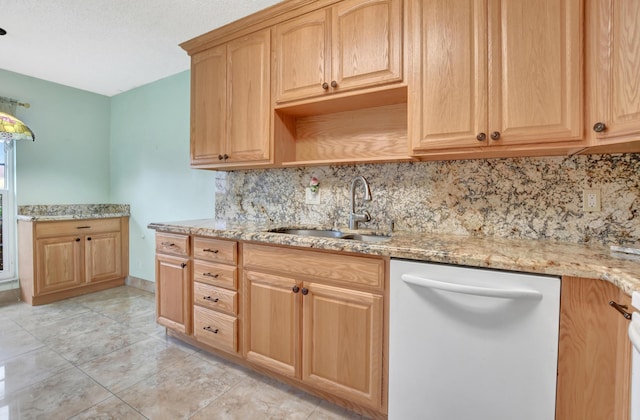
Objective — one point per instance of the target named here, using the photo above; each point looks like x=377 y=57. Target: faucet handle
x=367 y=216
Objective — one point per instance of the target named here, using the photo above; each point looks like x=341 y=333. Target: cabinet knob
x=220 y=157
x=495 y=135
x=599 y=127
x=77 y=239
x=295 y=289
x=325 y=86
x=225 y=156
x=183 y=265
x=305 y=291
x=89 y=238
x=334 y=84
x=481 y=137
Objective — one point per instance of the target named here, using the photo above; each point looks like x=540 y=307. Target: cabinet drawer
x=215 y=250
x=171 y=243
x=216 y=329
x=215 y=298
x=339 y=268
x=76 y=227
x=215 y=274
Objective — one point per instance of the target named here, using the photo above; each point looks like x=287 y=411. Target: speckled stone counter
x=72 y=211
x=534 y=256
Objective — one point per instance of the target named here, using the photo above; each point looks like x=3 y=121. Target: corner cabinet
x=319 y=319
x=495 y=74
x=613 y=52
x=354 y=44
x=60 y=259
x=230 y=103
x=173 y=282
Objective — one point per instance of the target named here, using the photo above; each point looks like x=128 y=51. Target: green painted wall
x=69 y=161
x=150 y=164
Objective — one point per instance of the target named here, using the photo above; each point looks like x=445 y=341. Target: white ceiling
x=108 y=46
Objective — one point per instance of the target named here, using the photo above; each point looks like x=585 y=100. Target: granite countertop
x=43 y=213
x=543 y=257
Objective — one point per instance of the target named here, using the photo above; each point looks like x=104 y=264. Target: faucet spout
x=355 y=218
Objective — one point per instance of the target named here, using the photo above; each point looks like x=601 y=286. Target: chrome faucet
x=355 y=218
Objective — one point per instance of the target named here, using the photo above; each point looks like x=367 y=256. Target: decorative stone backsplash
x=536 y=198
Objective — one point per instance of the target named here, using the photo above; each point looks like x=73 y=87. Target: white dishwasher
x=471 y=344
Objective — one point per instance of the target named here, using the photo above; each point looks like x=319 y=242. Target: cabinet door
x=173 y=293
x=302 y=61
x=615 y=51
x=103 y=257
x=208 y=105
x=535 y=71
x=248 y=98
x=272 y=323
x=342 y=343
x=594 y=355
x=449 y=73
x=366 y=43
x=59 y=263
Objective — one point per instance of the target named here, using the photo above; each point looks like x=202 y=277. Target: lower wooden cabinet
x=60 y=259
x=327 y=334
x=594 y=354
x=173 y=292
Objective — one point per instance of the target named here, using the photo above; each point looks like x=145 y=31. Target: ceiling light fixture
x=12 y=128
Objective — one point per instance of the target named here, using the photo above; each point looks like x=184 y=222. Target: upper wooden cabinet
x=613 y=53
x=494 y=73
x=354 y=44
x=230 y=103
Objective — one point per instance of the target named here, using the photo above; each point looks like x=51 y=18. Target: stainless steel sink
x=330 y=233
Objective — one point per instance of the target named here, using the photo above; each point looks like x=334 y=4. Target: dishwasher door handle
x=471 y=290
x=634 y=331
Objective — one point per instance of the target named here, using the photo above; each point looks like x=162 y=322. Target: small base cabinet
x=60 y=259
x=318 y=318
x=173 y=282
x=215 y=293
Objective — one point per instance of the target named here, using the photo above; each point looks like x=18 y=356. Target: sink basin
x=330 y=233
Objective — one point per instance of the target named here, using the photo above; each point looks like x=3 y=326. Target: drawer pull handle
x=83 y=227
x=215 y=251
x=167 y=244
x=210 y=330
x=215 y=276
x=209 y=298
x=621 y=309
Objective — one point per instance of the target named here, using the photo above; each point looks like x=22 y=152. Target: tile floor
x=102 y=356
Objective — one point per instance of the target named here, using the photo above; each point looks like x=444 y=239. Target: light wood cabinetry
x=319 y=318
x=613 y=51
x=495 y=74
x=594 y=352
x=59 y=259
x=230 y=103
x=354 y=44
x=173 y=282
x=215 y=293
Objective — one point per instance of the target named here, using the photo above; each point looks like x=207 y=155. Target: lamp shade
x=12 y=128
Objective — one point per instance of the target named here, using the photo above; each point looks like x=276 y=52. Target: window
x=7 y=214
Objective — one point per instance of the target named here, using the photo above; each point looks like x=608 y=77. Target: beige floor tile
x=259 y=399
x=73 y=325
x=57 y=397
x=110 y=409
x=81 y=348
x=329 y=411
x=124 y=367
x=180 y=390
x=36 y=316
x=29 y=368
x=16 y=342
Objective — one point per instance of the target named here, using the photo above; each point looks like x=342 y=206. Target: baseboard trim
x=11 y=295
x=142 y=284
